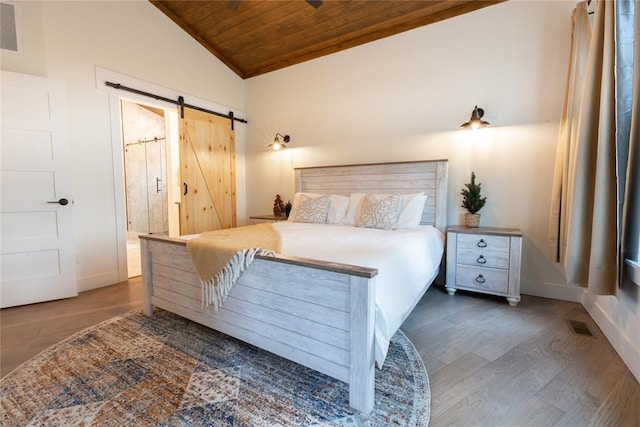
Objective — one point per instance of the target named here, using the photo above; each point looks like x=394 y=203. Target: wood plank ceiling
x=255 y=37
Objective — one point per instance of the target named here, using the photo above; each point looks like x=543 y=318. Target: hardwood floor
x=27 y=330
x=489 y=364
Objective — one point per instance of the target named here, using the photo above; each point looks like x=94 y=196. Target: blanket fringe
x=216 y=289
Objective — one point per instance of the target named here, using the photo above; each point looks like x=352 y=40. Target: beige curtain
x=586 y=204
x=580 y=39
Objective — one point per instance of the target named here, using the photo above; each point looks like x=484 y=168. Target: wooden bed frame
x=315 y=313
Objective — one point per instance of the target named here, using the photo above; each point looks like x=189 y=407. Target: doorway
x=147 y=152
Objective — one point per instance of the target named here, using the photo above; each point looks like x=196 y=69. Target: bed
x=317 y=312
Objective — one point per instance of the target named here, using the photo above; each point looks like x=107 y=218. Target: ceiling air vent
x=8 y=28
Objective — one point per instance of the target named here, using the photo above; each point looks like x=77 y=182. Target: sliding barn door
x=207 y=172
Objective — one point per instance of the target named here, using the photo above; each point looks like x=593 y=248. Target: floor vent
x=579 y=328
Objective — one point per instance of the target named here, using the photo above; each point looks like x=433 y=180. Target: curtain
x=587 y=201
x=580 y=39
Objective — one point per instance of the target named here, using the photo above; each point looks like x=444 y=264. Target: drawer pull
x=481 y=260
x=482 y=244
x=480 y=279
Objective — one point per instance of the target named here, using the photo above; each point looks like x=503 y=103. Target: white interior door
x=38 y=248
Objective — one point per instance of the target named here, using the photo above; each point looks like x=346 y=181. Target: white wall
x=67 y=41
x=404 y=98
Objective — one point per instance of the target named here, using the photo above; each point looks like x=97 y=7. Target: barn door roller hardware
x=180 y=102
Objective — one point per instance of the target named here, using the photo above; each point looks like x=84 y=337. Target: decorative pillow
x=338 y=206
x=411 y=210
x=312 y=210
x=296 y=202
x=379 y=211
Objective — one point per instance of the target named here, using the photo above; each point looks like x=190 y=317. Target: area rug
x=164 y=370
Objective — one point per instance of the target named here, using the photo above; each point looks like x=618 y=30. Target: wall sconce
x=277 y=145
x=475 y=121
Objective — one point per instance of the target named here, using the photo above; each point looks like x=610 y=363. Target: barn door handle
x=186 y=189
x=61 y=202
x=158 y=189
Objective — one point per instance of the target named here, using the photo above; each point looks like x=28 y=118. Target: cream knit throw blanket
x=220 y=257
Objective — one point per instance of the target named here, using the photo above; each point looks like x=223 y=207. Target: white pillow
x=354 y=209
x=338 y=206
x=379 y=211
x=313 y=210
x=411 y=210
x=296 y=202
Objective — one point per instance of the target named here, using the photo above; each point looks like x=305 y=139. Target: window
x=628 y=131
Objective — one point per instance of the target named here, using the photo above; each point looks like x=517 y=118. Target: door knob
x=61 y=202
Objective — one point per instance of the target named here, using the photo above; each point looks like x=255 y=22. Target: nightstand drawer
x=485 y=260
x=483 y=251
x=483 y=279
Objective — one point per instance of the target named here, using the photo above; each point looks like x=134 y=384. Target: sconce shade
x=277 y=145
x=475 y=121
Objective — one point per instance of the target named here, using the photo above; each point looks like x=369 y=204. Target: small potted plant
x=472 y=201
x=287 y=208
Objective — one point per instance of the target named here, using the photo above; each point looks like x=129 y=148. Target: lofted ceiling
x=254 y=37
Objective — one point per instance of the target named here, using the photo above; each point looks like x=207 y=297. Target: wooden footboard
x=315 y=313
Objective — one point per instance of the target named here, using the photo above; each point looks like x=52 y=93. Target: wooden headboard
x=429 y=176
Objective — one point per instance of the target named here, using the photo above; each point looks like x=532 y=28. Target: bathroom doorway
x=147 y=155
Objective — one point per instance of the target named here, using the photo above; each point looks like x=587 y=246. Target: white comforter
x=407 y=262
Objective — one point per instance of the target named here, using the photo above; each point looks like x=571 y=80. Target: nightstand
x=257 y=219
x=485 y=260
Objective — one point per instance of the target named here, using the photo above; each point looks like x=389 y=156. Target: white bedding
x=407 y=262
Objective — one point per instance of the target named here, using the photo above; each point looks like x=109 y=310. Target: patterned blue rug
x=168 y=371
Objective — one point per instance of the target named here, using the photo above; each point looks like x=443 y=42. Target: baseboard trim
x=552 y=290
x=620 y=342
x=94 y=281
